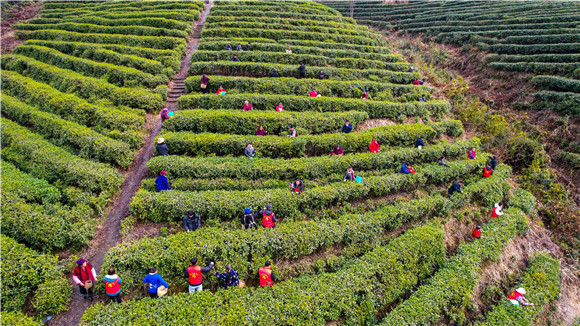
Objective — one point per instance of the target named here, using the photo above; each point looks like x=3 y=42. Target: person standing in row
x=441 y=161
x=194 y=275
x=250 y=151
x=191 y=221
x=375 y=146
x=113 y=285
x=292 y=132
x=204 y=84
x=280 y=107
x=261 y=131
x=302 y=70
x=266 y=276
x=337 y=151
x=497 y=210
x=155 y=281
x=161 y=147
x=248 y=220
x=162 y=183
x=347 y=127
x=84 y=275
x=268 y=217
x=230 y=277
x=247 y=106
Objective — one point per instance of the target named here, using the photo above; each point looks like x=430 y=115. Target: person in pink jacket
x=247 y=106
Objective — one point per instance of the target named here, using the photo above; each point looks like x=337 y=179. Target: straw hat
x=161 y=140
x=521 y=290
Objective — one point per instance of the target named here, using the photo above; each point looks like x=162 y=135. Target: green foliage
x=26 y=186
x=536 y=48
x=25 y=271
x=307 y=168
x=117 y=75
x=565 y=102
x=17 y=318
x=224 y=205
x=214 y=18
x=537 y=67
x=449 y=291
x=523 y=200
x=326 y=88
x=92 y=28
x=68 y=106
x=151 y=22
x=33 y=154
x=375 y=109
x=246 y=123
x=90 y=144
x=278 y=14
x=310 y=145
x=558 y=84
x=542 y=283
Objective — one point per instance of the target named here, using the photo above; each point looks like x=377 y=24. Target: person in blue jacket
x=347 y=127
x=419 y=142
x=162 y=183
x=155 y=280
x=455 y=187
x=406 y=168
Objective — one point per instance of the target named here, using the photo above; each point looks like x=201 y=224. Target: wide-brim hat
x=521 y=290
x=161 y=140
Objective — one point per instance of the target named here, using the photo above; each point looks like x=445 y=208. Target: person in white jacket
x=497 y=210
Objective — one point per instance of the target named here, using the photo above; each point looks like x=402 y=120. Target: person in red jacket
x=84 y=275
x=472 y=155
x=416 y=82
x=221 y=91
x=280 y=107
x=337 y=150
x=477 y=232
x=517 y=297
x=375 y=146
x=497 y=210
x=193 y=274
x=487 y=171
x=268 y=217
x=247 y=106
x=313 y=93
x=261 y=131
x=266 y=276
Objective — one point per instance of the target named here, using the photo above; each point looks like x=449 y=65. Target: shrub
x=170 y=205
x=113 y=74
x=335 y=45
x=375 y=109
x=26 y=271
x=246 y=123
x=26 y=186
x=452 y=286
x=53 y=296
x=565 y=102
x=542 y=282
x=535 y=48
x=283 y=147
x=33 y=154
x=17 y=318
x=69 y=106
x=523 y=200
x=290 y=27
x=307 y=168
x=88 y=143
x=558 y=84
x=327 y=88
x=92 y=28
x=537 y=67
x=151 y=22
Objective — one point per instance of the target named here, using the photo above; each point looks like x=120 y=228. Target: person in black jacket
x=302 y=70
x=191 y=221
x=493 y=161
x=275 y=73
x=235 y=59
x=161 y=147
x=455 y=187
x=248 y=219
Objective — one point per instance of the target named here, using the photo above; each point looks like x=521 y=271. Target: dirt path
x=108 y=234
x=8 y=39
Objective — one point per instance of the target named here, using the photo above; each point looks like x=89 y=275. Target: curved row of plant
x=226 y=205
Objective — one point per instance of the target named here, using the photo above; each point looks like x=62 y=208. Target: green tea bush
x=33 y=154
x=224 y=205
x=17 y=318
x=88 y=143
x=26 y=186
x=375 y=109
x=88 y=88
x=261 y=69
x=69 y=106
x=246 y=123
x=151 y=22
x=185 y=184
x=558 y=84
x=279 y=14
x=92 y=28
x=184 y=16
x=536 y=48
x=335 y=45
x=326 y=88
x=537 y=67
x=26 y=271
x=289 y=27
x=185 y=143
x=113 y=74
x=543 y=39
x=307 y=168
x=565 y=102
x=286 y=21
x=450 y=289
x=371 y=282
x=523 y=200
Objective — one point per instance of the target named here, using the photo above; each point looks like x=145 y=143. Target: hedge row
x=327 y=88
x=258 y=45
x=379 y=277
x=259 y=69
x=449 y=291
x=169 y=58
x=294 y=103
x=68 y=106
x=151 y=22
x=88 y=143
x=99 y=29
x=113 y=74
x=17 y=318
x=280 y=34
x=563 y=58
x=558 y=84
x=542 y=282
x=535 y=48
x=92 y=89
x=137 y=12
x=290 y=27
x=565 y=102
x=185 y=143
x=543 y=39
x=155 y=42
x=33 y=154
x=284 y=9
x=477 y=27
x=311 y=44
x=289 y=240
x=24 y=272
x=246 y=123
x=307 y=168
x=46 y=227
x=307 y=59
x=26 y=186
x=96 y=53
x=184 y=16
x=295 y=22
x=125 y=6
x=225 y=205
x=185 y=184
x=537 y=67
